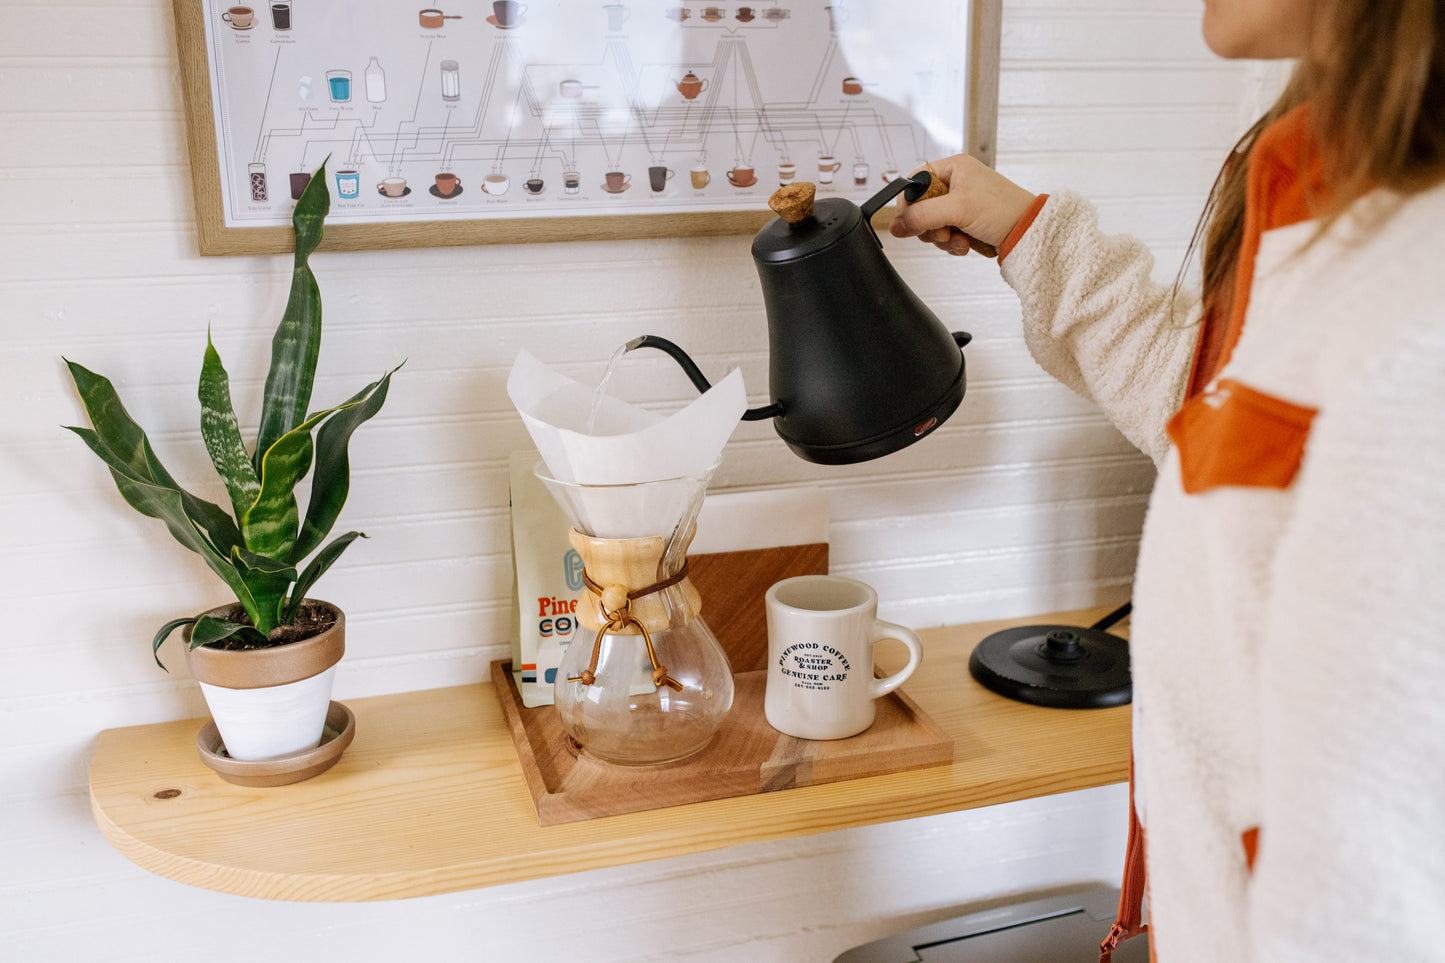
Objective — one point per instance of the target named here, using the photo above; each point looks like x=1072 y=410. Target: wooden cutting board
x=747 y=756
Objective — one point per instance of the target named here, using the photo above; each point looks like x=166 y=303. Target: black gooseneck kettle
x=859 y=367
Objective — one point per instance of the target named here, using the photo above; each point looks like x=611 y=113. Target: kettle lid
x=817 y=226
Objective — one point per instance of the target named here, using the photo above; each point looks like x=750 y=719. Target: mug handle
x=705 y=82
x=670 y=172
x=889 y=630
x=226 y=16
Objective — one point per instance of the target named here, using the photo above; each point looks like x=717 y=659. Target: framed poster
x=545 y=120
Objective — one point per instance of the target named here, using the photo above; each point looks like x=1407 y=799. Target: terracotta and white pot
x=272 y=702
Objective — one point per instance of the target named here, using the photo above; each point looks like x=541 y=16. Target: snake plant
x=259 y=551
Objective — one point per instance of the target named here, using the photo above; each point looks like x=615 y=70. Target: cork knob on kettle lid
x=794 y=202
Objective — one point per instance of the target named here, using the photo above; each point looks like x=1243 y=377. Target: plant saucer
x=340 y=729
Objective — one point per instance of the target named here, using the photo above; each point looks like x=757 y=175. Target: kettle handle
x=695 y=375
x=912 y=188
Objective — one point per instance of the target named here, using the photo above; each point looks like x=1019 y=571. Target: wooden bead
x=614 y=598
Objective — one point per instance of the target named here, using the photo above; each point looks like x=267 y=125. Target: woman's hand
x=981 y=203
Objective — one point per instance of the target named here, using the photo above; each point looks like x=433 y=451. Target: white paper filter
x=630 y=445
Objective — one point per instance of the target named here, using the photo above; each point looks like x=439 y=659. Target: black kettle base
x=1056 y=666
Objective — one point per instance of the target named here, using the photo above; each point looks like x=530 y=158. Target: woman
x=1289 y=621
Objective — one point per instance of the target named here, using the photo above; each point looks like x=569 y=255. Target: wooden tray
x=746 y=757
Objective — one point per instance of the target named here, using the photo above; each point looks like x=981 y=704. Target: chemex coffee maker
x=859 y=368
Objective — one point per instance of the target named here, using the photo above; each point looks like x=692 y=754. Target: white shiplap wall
x=1025 y=501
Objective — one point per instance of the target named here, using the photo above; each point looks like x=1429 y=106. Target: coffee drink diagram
x=559 y=108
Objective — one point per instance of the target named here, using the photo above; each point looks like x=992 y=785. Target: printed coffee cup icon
x=889 y=176
x=572 y=182
x=777 y=13
x=338 y=85
x=700 y=177
x=851 y=85
x=860 y=175
x=786 y=173
x=744 y=14
x=239 y=18
x=713 y=14
x=448 y=184
x=496 y=183
x=392 y=186
x=679 y=14
x=691 y=85
x=508 y=12
x=434 y=19
x=257 y=174
x=617 y=182
x=281 y=14
x=657 y=177
x=570 y=88
x=742 y=177
x=533 y=185
x=828 y=165
x=348 y=183
x=299 y=180
x=617 y=15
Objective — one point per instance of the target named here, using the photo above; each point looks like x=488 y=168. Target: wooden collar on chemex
x=616 y=603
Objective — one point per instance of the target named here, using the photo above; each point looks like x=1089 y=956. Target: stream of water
x=601 y=391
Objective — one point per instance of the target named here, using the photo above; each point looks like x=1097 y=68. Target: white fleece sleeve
x=1351 y=862
x=1095 y=319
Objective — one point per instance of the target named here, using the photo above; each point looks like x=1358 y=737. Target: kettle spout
x=694 y=373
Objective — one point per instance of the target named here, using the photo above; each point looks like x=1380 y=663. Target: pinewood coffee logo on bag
x=546 y=586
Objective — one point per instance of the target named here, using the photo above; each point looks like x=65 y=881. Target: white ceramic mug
x=821 y=633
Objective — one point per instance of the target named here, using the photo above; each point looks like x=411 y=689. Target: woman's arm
x=1093 y=316
x=1095 y=319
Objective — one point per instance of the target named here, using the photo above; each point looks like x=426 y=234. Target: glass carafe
x=644 y=680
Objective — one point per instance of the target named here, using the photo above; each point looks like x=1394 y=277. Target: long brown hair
x=1375 y=80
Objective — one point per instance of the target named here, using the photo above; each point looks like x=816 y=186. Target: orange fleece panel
x=1236 y=435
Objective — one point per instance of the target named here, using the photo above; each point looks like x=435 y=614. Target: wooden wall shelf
x=430 y=797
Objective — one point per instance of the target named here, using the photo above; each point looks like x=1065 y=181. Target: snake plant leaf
x=163 y=634
x=331 y=480
x=268 y=583
x=124 y=444
x=270 y=525
x=211 y=629
x=165 y=503
x=222 y=433
x=297 y=342
x=315 y=570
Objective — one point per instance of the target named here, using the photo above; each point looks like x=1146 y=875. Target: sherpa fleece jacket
x=1288 y=635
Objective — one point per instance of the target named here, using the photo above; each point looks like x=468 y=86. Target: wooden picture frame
x=218 y=236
